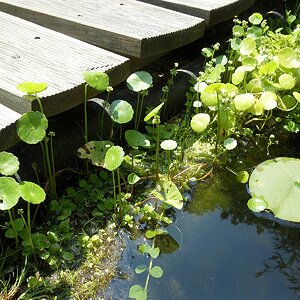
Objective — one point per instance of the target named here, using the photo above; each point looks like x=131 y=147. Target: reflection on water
x=226 y=251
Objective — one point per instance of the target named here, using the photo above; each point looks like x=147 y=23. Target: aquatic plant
x=139 y=82
x=275 y=185
x=31 y=128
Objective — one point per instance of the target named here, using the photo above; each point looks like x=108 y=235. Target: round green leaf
x=32 y=192
x=136 y=139
x=68 y=256
x=230 y=143
x=95 y=151
x=248 y=45
x=277 y=182
x=257 y=204
x=140 y=269
x=133 y=178
x=287 y=102
x=288 y=58
x=249 y=63
x=32 y=88
x=139 y=81
x=32 y=126
x=121 y=111
x=113 y=158
x=238 y=75
x=169 y=194
x=137 y=292
x=243 y=101
x=9 y=164
x=254 y=85
x=238 y=30
x=268 y=100
x=9 y=193
x=255 y=18
x=209 y=95
x=200 y=122
x=97 y=80
x=168 y=145
x=156 y=272
x=287 y=81
x=242 y=176
x=18 y=224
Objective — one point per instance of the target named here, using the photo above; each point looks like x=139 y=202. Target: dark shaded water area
x=219 y=249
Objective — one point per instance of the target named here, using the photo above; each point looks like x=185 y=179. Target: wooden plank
x=214 y=11
x=8 y=135
x=128 y=27
x=29 y=52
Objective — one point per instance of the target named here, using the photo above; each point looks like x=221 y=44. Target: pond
x=222 y=251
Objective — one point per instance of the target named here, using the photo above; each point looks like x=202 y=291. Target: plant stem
x=85 y=115
x=219 y=118
x=114 y=186
x=168 y=162
x=157 y=147
x=40 y=103
x=11 y=220
x=150 y=266
x=137 y=112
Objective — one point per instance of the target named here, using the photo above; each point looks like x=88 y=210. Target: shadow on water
x=219 y=249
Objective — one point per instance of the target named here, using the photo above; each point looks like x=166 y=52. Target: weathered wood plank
x=29 y=52
x=214 y=11
x=128 y=27
x=8 y=118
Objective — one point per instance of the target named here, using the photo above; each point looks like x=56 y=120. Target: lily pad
x=121 y=111
x=31 y=127
x=9 y=193
x=95 y=151
x=277 y=182
x=9 y=164
x=139 y=81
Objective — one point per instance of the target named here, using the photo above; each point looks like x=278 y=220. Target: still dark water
x=221 y=251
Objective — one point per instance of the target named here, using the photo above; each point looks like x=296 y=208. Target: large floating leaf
x=95 y=151
x=139 y=81
x=9 y=164
x=276 y=183
x=31 y=127
x=9 y=193
x=97 y=80
x=121 y=111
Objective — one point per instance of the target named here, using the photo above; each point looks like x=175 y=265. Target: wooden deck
x=55 y=41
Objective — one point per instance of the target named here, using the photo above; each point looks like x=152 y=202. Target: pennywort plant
x=139 y=82
x=31 y=128
x=256 y=79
